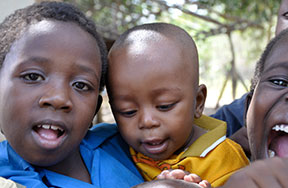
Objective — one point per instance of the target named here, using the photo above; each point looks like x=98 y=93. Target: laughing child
x=51 y=59
x=157 y=102
x=233 y=113
x=268 y=99
x=267 y=120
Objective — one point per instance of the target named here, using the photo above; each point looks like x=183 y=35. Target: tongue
x=280 y=146
x=48 y=134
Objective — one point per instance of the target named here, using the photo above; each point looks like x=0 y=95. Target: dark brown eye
x=81 y=86
x=279 y=82
x=285 y=14
x=33 y=77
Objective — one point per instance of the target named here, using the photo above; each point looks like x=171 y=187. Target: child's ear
x=200 y=100
x=247 y=103
x=100 y=100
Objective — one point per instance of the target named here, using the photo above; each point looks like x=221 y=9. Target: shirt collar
x=208 y=141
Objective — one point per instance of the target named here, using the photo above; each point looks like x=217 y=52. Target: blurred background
x=230 y=35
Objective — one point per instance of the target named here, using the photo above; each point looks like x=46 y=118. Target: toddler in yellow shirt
x=157 y=102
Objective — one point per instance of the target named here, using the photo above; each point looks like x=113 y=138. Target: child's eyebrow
x=33 y=60
x=36 y=59
x=87 y=70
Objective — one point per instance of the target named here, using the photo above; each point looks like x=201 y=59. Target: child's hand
x=186 y=176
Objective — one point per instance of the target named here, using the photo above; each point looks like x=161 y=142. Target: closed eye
x=165 y=107
x=129 y=113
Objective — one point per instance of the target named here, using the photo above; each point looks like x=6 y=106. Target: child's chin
x=45 y=161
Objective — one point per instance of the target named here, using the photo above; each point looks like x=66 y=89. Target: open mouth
x=278 y=141
x=155 y=146
x=49 y=136
x=49 y=132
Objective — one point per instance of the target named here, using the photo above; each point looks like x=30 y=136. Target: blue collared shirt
x=232 y=114
x=104 y=152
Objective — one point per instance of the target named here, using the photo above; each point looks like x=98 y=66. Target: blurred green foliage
x=247 y=25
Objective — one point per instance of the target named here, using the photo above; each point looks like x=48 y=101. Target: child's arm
x=241 y=138
x=181 y=174
x=263 y=173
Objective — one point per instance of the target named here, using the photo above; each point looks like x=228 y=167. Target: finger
x=176 y=174
x=205 y=184
x=163 y=174
x=192 y=178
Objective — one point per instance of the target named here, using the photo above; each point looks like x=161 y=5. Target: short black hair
x=13 y=26
x=261 y=63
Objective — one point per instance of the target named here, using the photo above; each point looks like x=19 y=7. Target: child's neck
x=195 y=134
x=73 y=166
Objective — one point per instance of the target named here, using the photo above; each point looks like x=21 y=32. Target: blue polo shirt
x=104 y=152
x=232 y=114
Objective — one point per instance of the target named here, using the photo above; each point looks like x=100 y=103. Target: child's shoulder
x=104 y=129
x=10 y=159
x=99 y=134
x=232 y=147
x=13 y=166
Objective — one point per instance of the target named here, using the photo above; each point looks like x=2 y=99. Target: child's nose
x=57 y=97
x=148 y=120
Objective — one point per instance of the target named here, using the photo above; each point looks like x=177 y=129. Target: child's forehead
x=53 y=26
x=283 y=6
x=69 y=32
x=50 y=40
x=278 y=53
x=282 y=22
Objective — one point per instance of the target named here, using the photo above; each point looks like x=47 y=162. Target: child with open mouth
x=52 y=68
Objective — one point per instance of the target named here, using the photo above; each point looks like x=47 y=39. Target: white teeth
x=271 y=153
x=46 y=126
x=53 y=127
x=282 y=127
x=154 y=144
